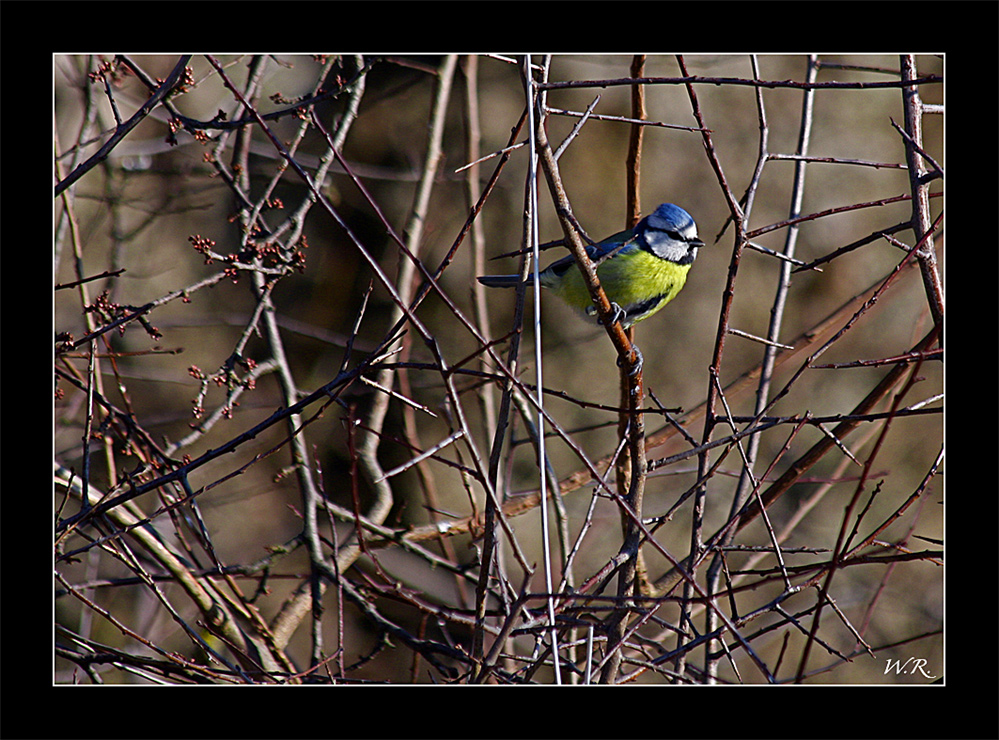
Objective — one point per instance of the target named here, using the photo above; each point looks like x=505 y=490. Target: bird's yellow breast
x=630 y=280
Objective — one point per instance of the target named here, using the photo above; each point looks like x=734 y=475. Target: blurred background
x=138 y=209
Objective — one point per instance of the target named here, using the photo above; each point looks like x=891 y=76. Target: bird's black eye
x=674 y=235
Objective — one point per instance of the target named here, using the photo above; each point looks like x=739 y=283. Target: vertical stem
x=537 y=106
x=631 y=467
x=634 y=166
x=368 y=450
x=920 y=187
x=747 y=479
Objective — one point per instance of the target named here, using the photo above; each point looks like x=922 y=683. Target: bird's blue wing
x=597 y=252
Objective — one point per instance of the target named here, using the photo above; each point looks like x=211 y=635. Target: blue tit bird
x=640 y=269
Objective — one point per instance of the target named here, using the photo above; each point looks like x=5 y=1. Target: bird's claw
x=639 y=361
x=617 y=314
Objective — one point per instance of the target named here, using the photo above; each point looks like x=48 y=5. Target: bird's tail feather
x=500 y=281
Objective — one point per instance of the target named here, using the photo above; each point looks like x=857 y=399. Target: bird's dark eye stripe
x=672 y=234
